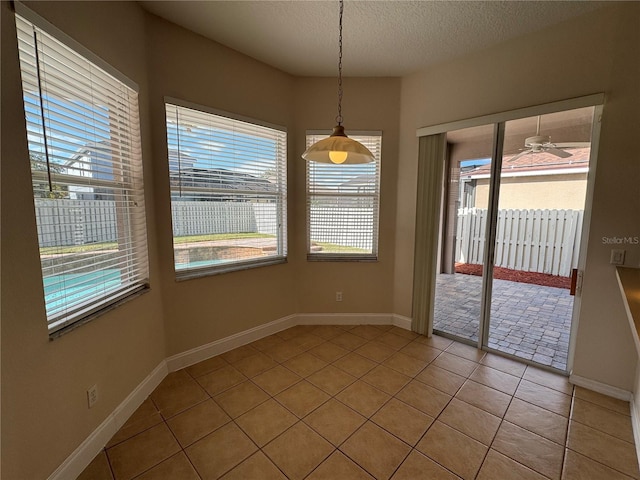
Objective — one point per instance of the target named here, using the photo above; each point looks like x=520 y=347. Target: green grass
x=333 y=248
x=220 y=236
x=92 y=247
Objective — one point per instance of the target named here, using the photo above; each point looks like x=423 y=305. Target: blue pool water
x=68 y=289
x=71 y=288
x=200 y=263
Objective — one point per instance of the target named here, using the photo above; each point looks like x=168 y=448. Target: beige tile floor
x=345 y=402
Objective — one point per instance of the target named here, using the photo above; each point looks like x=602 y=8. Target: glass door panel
x=458 y=292
x=542 y=189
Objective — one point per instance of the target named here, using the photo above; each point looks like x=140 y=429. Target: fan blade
x=557 y=152
x=572 y=145
x=515 y=157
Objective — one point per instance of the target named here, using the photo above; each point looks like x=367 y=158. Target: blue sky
x=217 y=148
x=67 y=126
x=72 y=124
x=479 y=161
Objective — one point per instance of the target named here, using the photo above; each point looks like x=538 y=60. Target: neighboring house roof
x=543 y=163
x=91 y=160
x=364 y=180
x=88 y=149
x=185 y=160
x=219 y=178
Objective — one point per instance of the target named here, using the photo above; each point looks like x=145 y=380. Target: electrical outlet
x=92 y=395
x=338 y=296
x=617 y=257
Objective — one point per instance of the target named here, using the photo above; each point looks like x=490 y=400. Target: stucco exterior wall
x=559 y=192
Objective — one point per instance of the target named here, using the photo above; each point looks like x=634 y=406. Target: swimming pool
x=66 y=290
x=202 y=263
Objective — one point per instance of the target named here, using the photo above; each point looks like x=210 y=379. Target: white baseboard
x=635 y=425
x=91 y=446
x=75 y=463
x=402 y=321
x=344 y=319
x=203 y=352
x=600 y=387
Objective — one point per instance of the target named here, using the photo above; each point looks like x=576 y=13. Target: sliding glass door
x=510 y=233
x=540 y=210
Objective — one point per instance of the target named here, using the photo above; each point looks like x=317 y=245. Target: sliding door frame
x=499 y=120
x=490 y=234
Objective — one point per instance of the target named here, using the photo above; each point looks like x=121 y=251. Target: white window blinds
x=342 y=205
x=84 y=151
x=228 y=191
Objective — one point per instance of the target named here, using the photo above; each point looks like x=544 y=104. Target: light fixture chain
x=339 y=117
x=338 y=148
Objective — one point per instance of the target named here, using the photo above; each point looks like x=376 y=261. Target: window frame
x=91 y=304
x=346 y=257
x=281 y=165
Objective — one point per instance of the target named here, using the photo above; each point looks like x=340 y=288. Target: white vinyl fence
x=202 y=218
x=75 y=222
x=79 y=222
x=545 y=241
x=349 y=226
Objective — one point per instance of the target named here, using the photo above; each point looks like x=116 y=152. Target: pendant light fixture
x=338 y=148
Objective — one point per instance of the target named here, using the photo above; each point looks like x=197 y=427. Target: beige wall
x=559 y=192
x=593 y=53
x=369 y=104
x=118 y=350
x=604 y=348
x=206 y=309
x=44 y=383
x=186 y=66
x=44 y=413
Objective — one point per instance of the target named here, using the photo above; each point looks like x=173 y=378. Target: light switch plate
x=617 y=257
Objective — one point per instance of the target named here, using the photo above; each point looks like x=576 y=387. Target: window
x=84 y=150
x=342 y=205
x=228 y=191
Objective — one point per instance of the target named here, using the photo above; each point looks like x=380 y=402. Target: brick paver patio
x=530 y=321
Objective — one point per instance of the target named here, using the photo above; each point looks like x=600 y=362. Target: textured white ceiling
x=381 y=38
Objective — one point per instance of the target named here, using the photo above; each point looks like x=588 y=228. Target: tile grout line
x=301 y=419
x=182 y=450
x=573 y=398
x=352 y=350
x=369 y=418
x=332 y=396
x=413 y=448
x=502 y=420
x=486 y=454
x=273 y=397
x=468 y=378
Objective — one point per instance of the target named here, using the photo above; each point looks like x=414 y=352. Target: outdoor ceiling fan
x=542 y=143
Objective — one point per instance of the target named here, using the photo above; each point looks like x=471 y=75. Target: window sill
x=232 y=267
x=341 y=258
x=93 y=315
